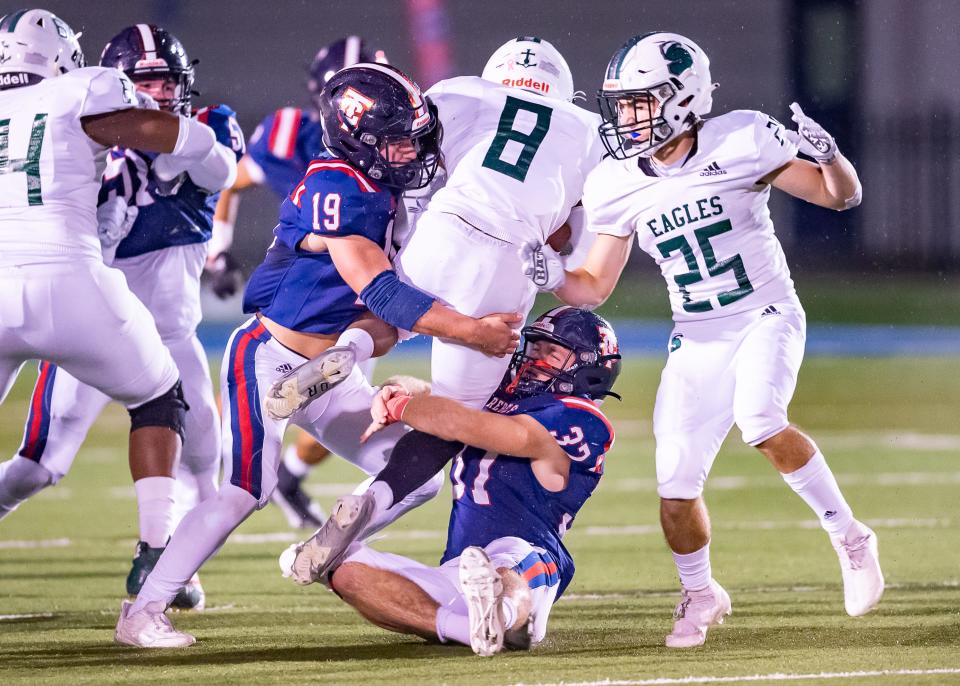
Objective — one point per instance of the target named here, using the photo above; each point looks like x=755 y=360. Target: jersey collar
x=646 y=166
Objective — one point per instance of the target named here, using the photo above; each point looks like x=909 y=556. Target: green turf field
x=889 y=427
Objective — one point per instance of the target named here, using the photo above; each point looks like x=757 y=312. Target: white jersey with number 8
x=515 y=161
x=49 y=171
x=705 y=221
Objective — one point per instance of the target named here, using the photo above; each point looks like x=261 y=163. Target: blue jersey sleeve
x=223 y=120
x=336 y=200
x=581 y=429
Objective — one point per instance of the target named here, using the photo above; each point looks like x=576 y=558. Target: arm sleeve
x=108 y=90
x=602 y=213
x=773 y=148
x=581 y=429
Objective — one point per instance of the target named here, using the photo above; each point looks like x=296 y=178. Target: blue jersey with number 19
x=303 y=290
x=499 y=495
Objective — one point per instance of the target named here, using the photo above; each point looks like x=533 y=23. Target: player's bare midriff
x=308 y=345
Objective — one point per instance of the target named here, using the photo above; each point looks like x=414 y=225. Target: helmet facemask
x=404 y=161
x=634 y=121
x=538 y=369
x=179 y=85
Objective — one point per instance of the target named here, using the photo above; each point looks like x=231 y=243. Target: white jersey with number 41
x=516 y=161
x=49 y=175
x=705 y=221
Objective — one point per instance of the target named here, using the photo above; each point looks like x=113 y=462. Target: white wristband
x=194 y=140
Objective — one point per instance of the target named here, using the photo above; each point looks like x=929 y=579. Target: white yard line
x=777 y=676
x=48 y=543
x=37 y=615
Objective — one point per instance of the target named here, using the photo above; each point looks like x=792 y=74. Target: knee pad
x=679 y=477
x=756 y=427
x=168 y=410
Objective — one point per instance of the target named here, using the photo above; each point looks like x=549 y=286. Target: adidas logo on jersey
x=770 y=310
x=713 y=169
x=284 y=368
x=15 y=79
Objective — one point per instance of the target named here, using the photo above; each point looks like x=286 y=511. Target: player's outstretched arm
x=516 y=435
x=366 y=269
x=142 y=129
x=587 y=286
x=832 y=182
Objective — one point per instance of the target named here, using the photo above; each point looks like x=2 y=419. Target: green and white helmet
x=666 y=69
x=532 y=64
x=37 y=42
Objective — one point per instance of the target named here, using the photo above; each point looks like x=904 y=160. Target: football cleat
x=289 y=496
x=301 y=386
x=482 y=589
x=148 y=628
x=321 y=553
x=191 y=597
x=860 y=565
x=697 y=612
x=144 y=560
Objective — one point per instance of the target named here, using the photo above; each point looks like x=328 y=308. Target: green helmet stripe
x=616 y=62
x=11 y=20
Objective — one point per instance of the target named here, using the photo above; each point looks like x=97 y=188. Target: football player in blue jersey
x=280 y=149
x=533 y=457
x=155 y=217
x=325 y=296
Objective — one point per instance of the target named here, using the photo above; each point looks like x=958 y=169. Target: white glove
x=810 y=138
x=146 y=102
x=542 y=265
x=114 y=220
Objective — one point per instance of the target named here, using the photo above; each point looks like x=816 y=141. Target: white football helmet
x=656 y=87
x=38 y=42
x=532 y=64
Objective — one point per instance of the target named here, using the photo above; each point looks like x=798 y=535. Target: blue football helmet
x=590 y=369
x=331 y=58
x=148 y=52
x=365 y=108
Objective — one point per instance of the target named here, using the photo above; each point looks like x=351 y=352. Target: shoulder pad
x=337 y=175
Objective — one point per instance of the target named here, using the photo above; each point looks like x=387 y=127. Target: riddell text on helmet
x=541 y=86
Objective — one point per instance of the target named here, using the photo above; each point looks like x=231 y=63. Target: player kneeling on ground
x=534 y=455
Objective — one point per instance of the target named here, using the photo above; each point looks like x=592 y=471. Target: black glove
x=225 y=274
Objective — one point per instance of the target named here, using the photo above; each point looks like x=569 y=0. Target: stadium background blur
x=881 y=285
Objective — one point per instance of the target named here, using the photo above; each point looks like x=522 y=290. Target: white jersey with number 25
x=516 y=161
x=705 y=221
x=49 y=175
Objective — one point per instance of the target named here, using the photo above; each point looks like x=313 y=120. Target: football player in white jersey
x=516 y=151
x=694 y=192
x=59 y=301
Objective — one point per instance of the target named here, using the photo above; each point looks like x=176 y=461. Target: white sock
x=452 y=626
x=360 y=340
x=201 y=533
x=293 y=463
x=382 y=494
x=155 y=505
x=694 y=568
x=814 y=482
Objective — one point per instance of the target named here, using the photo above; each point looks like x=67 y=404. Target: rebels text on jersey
x=499 y=495
x=283 y=145
x=49 y=174
x=302 y=290
x=705 y=221
x=516 y=162
x=167 y=215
